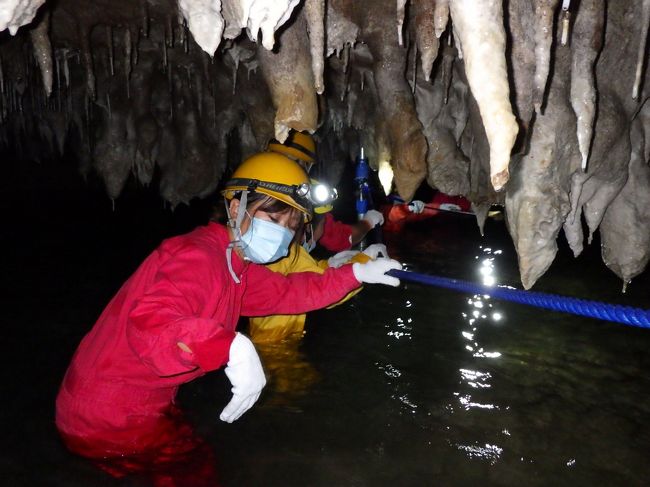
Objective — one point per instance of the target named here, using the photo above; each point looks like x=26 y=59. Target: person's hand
x=374 y=218
x=374 y=271
x=375 y=250
x=449 y=207
x=244 y=370
x=337 y=260
x=416 y=206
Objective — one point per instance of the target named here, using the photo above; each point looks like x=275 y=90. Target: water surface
x=414 y=386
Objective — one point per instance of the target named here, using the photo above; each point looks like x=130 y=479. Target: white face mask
x=265 y=241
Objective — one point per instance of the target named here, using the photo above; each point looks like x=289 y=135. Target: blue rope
x=592 y=309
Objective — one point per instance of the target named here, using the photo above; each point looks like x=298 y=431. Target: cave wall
x=536 y=105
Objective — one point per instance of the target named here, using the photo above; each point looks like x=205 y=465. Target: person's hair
x=268 y=204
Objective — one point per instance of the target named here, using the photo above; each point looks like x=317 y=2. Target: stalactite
x=401 y=4
x=447 y=65
x=84 y=39
x=16 y=14
x=566 y=21
x=57 y=70
x=640 y=60
x=109 y=44
x=346 y=57
x=440 y=16
x=544 y=15
x=522 y=22
x=267 y=17
x=251 y=68
x=136 y=50
x=205 y=22
x=315 y=16
x=169 y=31
x=66 y=70
x=163 y=45
x=289 y=77
x=185 y=36
x=481 y=31
x=235 y=69
x=43 y=51
x=346 y=81
x=170 y=85
x=425 y=35
x=145 y=18
x=127 y=60
x=585 y=46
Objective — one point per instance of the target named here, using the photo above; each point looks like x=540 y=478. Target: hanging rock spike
x=640 y=60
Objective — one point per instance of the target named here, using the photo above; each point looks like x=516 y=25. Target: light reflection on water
x=479 y=312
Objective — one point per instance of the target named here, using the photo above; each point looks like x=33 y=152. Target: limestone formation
x=537 y=105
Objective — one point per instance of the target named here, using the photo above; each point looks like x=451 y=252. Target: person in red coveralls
x=398 y=214
x=331 y=234
x=174 y=319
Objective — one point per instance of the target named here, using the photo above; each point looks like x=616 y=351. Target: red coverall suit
x=124 y=376
x=336 y=235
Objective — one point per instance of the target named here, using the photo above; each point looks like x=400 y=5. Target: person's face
x=287 y=219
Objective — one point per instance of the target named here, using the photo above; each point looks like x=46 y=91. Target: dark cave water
x=415 y=386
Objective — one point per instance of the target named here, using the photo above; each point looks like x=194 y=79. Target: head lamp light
x=318 y=194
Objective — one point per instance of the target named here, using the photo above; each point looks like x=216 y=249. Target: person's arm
x=165 y=329
x=339 y=236
x=270 y=293
x=359 y=231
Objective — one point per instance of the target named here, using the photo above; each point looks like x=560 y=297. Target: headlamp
x=318 y=194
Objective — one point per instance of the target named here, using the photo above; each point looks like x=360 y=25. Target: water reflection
x=475 y=380
x=290 y=375
x=492 y=453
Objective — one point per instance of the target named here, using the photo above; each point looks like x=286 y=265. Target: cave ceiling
x=540 y=106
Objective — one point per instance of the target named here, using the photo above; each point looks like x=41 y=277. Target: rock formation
x=537 y=105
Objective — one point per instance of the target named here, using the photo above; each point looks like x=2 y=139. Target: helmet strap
x=235 y=226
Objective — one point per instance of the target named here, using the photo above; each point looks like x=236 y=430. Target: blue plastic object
x=361 y=174
x=592 y=309
x=362 y=170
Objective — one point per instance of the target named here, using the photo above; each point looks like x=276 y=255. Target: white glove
x=416 y=206
x=244 y=370
x=373 y=272
x=449 y=207
x=373 y=251
x=374 y=217
x=337 y=260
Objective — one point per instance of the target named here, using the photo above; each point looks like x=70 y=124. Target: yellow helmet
x=299 y=146
x=274 y=175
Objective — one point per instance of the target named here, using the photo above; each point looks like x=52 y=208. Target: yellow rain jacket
x=278 y=327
